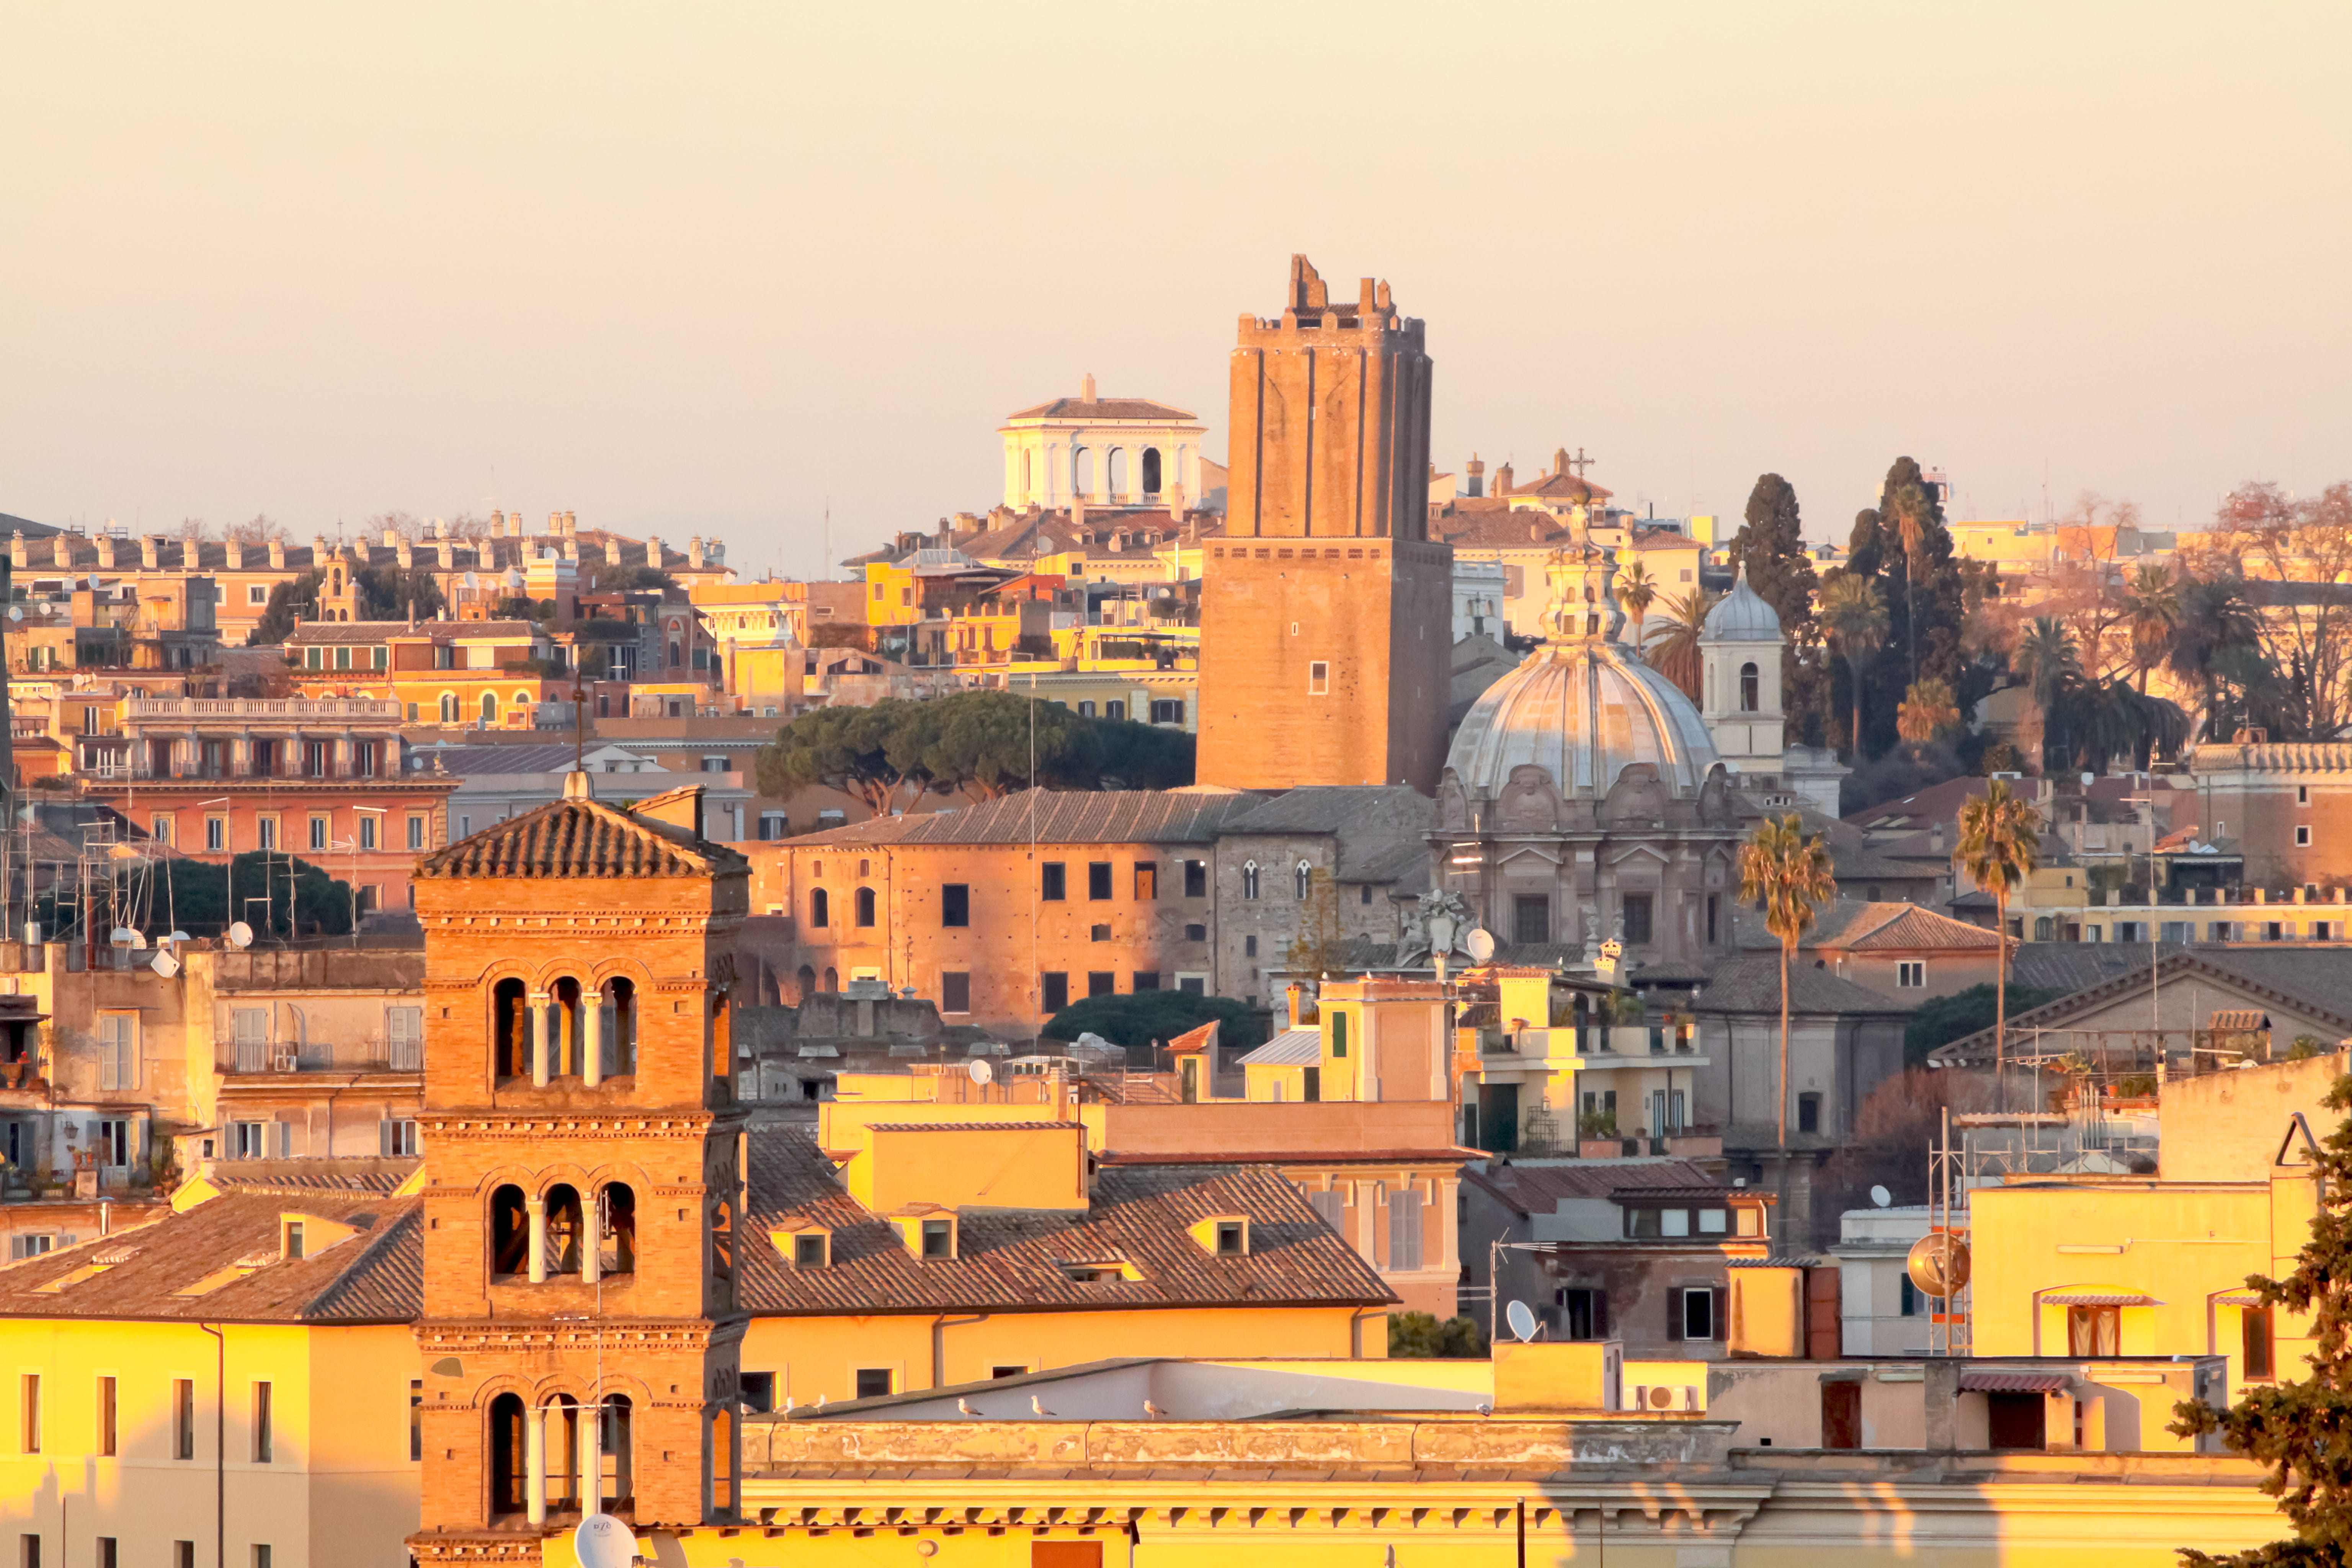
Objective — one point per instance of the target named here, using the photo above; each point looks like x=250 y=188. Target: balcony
x=292 y=1058
x=275 y=709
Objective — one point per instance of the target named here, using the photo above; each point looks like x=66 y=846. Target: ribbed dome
x=1741 y=616
x=1582 y=710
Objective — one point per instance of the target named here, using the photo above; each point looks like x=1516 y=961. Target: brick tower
x=1323 y=638
x=582 y=1166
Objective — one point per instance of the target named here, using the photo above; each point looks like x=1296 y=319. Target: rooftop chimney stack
x=654 y=551
x=106 y=552
x=278 y=555
x=403 y=552
x=694 y=551
x=1476 y=472
x=17 y=557
x=1087 y=388
x=61 y=550
x=1503 y=481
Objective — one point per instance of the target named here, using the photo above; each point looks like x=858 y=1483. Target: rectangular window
x=183 y=1418
x=2303 y=837
x=1712 y=904
x=318 y=833
x=1911 y=974
x=1697 y=1312
x=367 y=829
x=1196 y=879
x=1908 y=1303
x=1192 y=984
x=1230 y=1243
x=1101 y=983
x=1145 y=980
x=416 y=833
x=1098 y=879
x=107 y=1436
x=874 y=1382
x=260 y=1555
x=1330 y=1205
x=808 y=1251
x=396 y=1139
x=118 y=1045
x=216 y=833
x=110 y=1553
x=1167 y=710
x=1318 y=678
x=759 y=1391
x=183 y=1554
x=265 y=1434
x=1147 y=880
x=28 y=1413
x=714 y=765
x=28 y=1550
x=1637 y=908
x=938 y=1238
x=266 y=832
x=955 y=992
x=1809 y=1113
x=955 y=904
x=1338 y=1034
x=415 y=1420
x=1052 y=881
x=2254 y=1326
x=1310 y=1083
x=1531 y=918
x=161 y=828
x=1405 y=1229
x=1584 y=1313
x=1249 y=947
x=1053 y=993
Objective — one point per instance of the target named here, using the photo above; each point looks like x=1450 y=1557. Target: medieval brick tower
x=1324 y=607
x=582 y=1176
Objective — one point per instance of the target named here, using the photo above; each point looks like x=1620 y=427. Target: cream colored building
x=1108 y=451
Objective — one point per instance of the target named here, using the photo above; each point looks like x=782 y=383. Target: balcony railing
x=295 y=1057
x=384 y=709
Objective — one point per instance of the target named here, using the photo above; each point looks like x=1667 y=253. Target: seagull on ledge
x=964 y=1407
x=1152 y=1411
x=1037 y=1406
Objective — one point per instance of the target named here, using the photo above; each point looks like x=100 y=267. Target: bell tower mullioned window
x=584 y=1178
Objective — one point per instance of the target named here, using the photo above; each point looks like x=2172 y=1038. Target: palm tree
x=2047 y=662
x=1637 y=590
x=1909 y=506
x=2215 y=619
x=2000 y=843
x=1677 y=657
x=1854 y=617
x=1927 y=709
x=1788 y=874
x=2151 y=615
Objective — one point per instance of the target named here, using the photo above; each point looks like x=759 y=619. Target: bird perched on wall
x=965 y=1406
x=1037 y=1406
x=1486 y=1408
x=1152 y=1411
x=820 y=1402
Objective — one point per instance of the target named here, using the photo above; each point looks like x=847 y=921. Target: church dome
x=1584 y=706
x=1742 y=615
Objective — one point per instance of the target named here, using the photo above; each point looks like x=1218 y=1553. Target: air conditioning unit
x=286 y=1058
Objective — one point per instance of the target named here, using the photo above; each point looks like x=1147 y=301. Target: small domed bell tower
x=1739 y=694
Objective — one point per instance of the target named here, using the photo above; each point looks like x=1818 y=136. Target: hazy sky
x=707 y=265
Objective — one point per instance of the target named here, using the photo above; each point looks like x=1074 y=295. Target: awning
x=2237 y=1299
x=2098 y=1299
x=2014 y=1382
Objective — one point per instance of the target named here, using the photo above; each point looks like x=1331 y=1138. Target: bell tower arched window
x=1748 y=685
x=510 y=1029
x=1151 y=486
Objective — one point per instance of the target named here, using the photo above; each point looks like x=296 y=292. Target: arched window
x=1117 y=472
x=510 y=1029
x=509 y=1469
x=567 y=1033
x=722 y=1043
x=448 y=708
x=619 y=1028
x=820 y=906
x=832 y=978
x=489 y=708
x=807 y=978
x=620 y=1485
x=564 y=1231
x=1151 y=486
x=509 y=1232
x=616 y=1250
x=1249 y=879
x=1301 y=876
x=865 y=906
x=1747 y=698
x=1082 y=472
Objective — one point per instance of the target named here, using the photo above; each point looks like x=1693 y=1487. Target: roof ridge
x=408 y=1220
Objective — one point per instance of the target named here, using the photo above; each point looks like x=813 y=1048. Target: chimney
x=1302 y=1003
x=17 y=557
x=277 y=554
x=497 y=525
x=1559 y=462
x=694 y=551
x=318 y=551
x=555 y=525
x=570 y=548
x=571 y=525
x=61 y=550
x=1476 y=471
x=150 y=551
x=1087 y=388
x=654 y=551
x=403 y=552
x=106 y=552
x=1503 y=481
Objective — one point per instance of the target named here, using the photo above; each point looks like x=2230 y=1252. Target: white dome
x=1741 y=616
x=1583 y=711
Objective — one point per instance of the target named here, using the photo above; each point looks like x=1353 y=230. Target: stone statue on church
x=1415 y=942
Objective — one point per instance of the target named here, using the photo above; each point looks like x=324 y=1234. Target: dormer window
x=809 y=1251
x=1222 y=1236
x=1232 y=1238
x=938 y=1238
x=293 y=1250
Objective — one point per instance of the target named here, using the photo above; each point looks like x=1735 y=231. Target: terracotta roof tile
x=1106 y=408
x=1751 y=984
x=580 y=838
x=1050 y=816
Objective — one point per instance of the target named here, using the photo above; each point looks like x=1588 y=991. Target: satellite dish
x=240 y=935
x=179 y=936
x=15 y=612
x=93 y=581
x=472 y=581
x=122 y=936
x=1481 y=944
x=1522 y=1319
x=166 y=966
x=1938 y=1264
x=1880 y=1197
x=980 y=1073
x=602 y=1541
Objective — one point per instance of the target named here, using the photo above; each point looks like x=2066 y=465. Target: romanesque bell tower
x=582 y=1176
x=1323 y=638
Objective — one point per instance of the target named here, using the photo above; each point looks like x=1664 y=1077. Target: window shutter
x=1332 y=1205
x=1673 y=1314
x=1722 y=1317
x=384 y=1139
x=285 y=1139
x=1405 y=1229
x=1599 y=1314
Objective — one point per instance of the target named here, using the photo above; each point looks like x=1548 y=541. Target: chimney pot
x=1087 y=388
x=277 y=554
